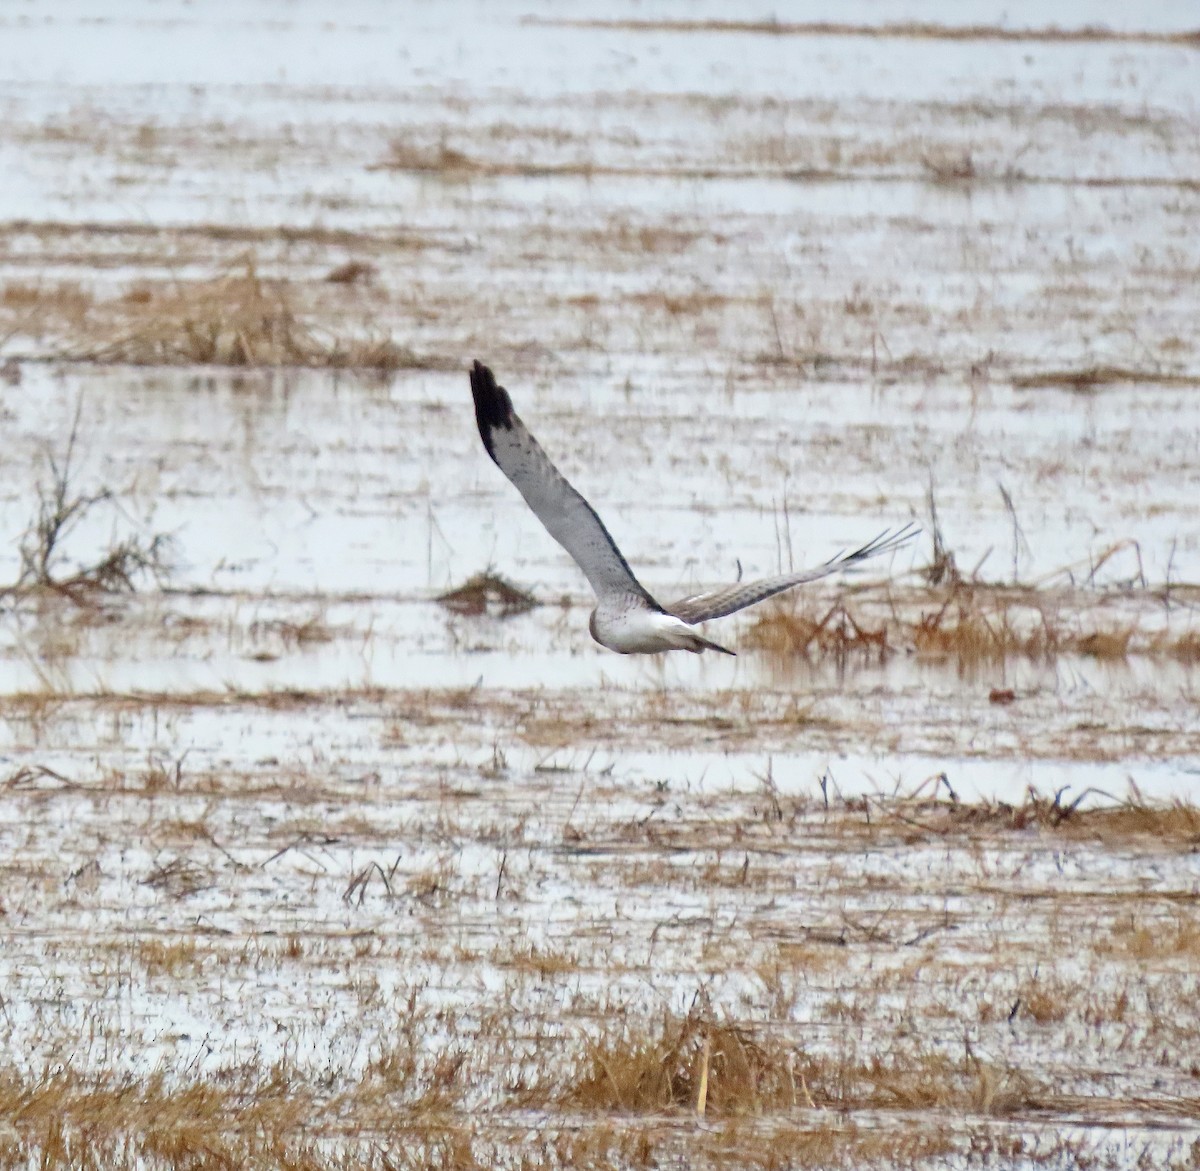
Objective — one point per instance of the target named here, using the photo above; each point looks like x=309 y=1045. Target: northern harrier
x=626 y=618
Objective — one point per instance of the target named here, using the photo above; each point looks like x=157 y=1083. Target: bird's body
x=630 y=627
x=626 y=618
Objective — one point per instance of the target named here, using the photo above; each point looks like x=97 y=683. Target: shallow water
x=754 y=293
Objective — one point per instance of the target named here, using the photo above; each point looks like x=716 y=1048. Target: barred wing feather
x=728 y=599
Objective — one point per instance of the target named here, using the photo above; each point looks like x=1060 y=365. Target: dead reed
x=1176 y=822
x=61 y=509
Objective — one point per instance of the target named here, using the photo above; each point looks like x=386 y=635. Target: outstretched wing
x=568 y=518
x=727 y=599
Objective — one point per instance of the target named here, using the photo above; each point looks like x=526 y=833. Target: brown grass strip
x=1173 y=825
x=225 y=233
x=910 y=30
x=68 y=1120
x=452 y=165
x=1089 y=377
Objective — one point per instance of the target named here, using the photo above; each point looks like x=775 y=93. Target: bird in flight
x=626 y=618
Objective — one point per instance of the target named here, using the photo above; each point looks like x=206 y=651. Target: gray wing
x=568 y=518
x=728 y=599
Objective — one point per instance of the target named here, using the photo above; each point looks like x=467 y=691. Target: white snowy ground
x=753 y=290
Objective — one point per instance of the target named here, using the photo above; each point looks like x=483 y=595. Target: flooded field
x=305 y=867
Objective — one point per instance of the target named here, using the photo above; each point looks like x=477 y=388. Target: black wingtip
x=493 y=407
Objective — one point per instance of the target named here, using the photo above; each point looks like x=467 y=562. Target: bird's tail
x=697 y=644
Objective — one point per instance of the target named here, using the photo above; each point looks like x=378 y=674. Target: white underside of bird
x=635 y=629
x=626 y=618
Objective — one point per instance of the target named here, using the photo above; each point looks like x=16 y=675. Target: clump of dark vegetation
x=404 y=155
x=950 y=168
x=351 y=273
x=488 y=593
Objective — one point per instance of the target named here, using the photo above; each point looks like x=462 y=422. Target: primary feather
x=568 y=518
x=626 y=618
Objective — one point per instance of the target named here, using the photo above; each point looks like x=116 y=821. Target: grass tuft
x=237 y=319
x=692 y=1062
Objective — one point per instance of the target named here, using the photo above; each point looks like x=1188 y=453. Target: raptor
x=626 y=618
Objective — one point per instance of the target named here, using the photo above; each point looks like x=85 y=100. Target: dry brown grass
x=964 y=619
x=950 y=167
x=1185 y=648
x=74 y=1121
x=908 y=30
x=155 y=235
x=450 y=165
x=974 y=623
x=1145 y=938
x=275 y=1119
x=178 y=878
x=441 y=159
x=937 y=1082
x=292 y=635
x=1088 y=378
x=785 y=631
x=622 y=235
x=352 y=272
x=168 y=958
x=698 y=1063
x=692 y=1062
x=680 y=304
x=45 y=308
x=878 y=1075
x=237 y=319
x=1087 y=815
x=542 y=961
x=965 y=623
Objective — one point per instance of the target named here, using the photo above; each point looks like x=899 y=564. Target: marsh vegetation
x=328 y=837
